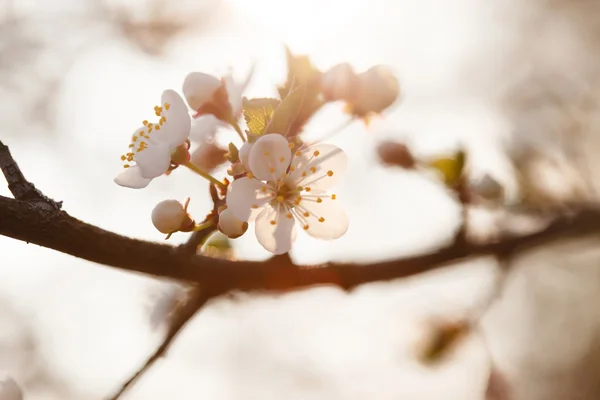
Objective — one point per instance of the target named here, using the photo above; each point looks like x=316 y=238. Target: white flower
x=207 y=94
x=171 y=216
x=337 y=82
x=283 y=188
x=9 y=389
x=231 y=226
x=152 y=144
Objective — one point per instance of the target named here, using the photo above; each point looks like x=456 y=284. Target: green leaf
x=286 y=113
x=258 y=113
x=451 y=168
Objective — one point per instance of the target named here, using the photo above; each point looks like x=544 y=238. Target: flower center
x=140 y=139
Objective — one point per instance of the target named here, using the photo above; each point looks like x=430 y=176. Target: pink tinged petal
x=204 y=128
x=269 y=157
x=132 y=178
x=246 y=197
x=244 y=154
x=234 y=94
x=198 y=89
x=153 y=160
x=176 y=128
x=319 y=167
x=231 y=226
x=275 y=230
x=326 y=220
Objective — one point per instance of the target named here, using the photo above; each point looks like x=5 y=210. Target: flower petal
x=132 y=178
x=204 y=128
x=326 y=219
x=154 y=159
x=244 y=154
x=269 y=157
x=176 y=128
x=234 y=95
x=275 y=231
x=319 y=166
x=246 y=197
x=198 y=89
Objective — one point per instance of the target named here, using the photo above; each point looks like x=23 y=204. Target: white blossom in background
x=9 y=389
x=153 y=145
x=286 y=187
x=337 y=82
x=208 y=95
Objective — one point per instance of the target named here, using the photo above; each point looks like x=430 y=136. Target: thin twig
x=195 y=302
x=20 y=187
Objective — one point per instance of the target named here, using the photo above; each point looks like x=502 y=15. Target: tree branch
x=59 y=231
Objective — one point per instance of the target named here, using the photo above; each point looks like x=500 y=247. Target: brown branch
x=59 y=231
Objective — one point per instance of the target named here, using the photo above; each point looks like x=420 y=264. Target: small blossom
x=170 y=216
x=337 y=82
x=208 y=95
x=376 y=89
x=153 y=144
x=9 y=389
x=231 y=226
x=286 y=187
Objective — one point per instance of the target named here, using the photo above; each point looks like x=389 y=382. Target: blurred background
x=514 y=82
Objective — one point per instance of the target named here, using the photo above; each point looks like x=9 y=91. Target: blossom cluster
x=275 y=180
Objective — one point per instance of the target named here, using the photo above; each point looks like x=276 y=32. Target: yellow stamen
x=330 y=173
x=321 y=219
x=316 y=153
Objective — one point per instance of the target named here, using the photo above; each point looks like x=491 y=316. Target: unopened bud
x=487 y=188
x=376 y=89
x=171 y=216
x=398 y=154
x=337 y=82
x=231 y=226
x=208 y=156
x=9 y=389
x=233 y=155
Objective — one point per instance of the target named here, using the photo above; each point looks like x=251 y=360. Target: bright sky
x=318 y=344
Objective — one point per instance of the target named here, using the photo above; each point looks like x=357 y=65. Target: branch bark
x=59 y=231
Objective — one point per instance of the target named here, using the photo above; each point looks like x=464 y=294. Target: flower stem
x=204 y=174
x=237 y=128
x=204 y=225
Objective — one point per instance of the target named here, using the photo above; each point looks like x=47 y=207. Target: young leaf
x=258 y=113
x=301 y=71
x=451 y=168
x=286 y=113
